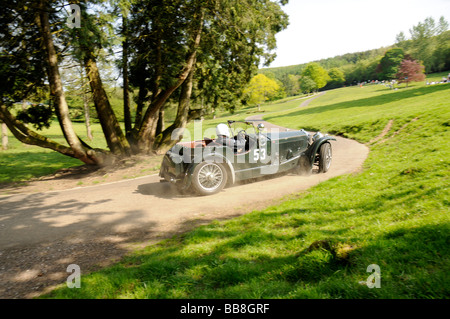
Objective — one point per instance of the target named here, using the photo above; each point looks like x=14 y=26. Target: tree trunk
x=126 y=95
x=160 y=126
x=142 y=96
x=87 y=117
x=56 y=88
x=27 y=136
x=115 y=138
x=164 y=140
x=4 y=136
x=158 y=102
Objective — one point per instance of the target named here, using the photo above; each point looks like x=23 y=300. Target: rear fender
x=217 y=158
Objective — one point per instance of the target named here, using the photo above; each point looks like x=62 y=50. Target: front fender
x=314 y=147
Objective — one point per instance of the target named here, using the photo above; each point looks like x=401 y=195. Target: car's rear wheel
x=209 y=178
x=325 y=157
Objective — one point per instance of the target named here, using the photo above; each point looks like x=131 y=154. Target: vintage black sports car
x=207 y=166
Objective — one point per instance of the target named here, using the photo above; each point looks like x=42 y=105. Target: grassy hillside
x=21 y=162
x=362 y=113
x=319 y=244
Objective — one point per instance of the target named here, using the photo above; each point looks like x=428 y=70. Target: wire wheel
x=325 y=157
x=209 y=178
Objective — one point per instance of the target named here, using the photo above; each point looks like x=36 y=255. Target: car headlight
x=317 y=136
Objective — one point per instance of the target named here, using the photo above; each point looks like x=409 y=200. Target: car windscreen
x=236 y=127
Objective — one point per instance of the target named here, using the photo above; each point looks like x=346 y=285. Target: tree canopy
x=318 y=74
x=194 y=54
x=260 y=89
x=389 y=64
x=410 y=71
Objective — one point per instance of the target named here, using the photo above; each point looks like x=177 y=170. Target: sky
x=326 y=28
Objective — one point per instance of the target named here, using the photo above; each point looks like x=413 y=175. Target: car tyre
x=209 y=178
x=325 y=157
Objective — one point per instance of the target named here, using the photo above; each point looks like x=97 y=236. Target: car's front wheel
x=209 y=178
x=325 y=157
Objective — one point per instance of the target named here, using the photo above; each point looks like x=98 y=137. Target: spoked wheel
x=209 y=178
x=325 y=157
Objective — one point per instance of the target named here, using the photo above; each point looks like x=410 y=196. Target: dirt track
x=42 y=233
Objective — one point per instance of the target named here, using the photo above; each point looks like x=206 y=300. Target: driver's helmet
x=222 y=129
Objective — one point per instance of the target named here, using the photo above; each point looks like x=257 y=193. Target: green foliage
x=390 y=63
x=362 y=71
x=22 y=58
x=39 y=115
x=318 y=74
x=291 y=84
x=228 y=56
x=428 y=43
x=260 y=89
x=357 y=67
x=97 y=33
x=337 y=78
x=307 y=85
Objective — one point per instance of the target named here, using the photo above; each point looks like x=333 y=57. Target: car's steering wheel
x=241 y=134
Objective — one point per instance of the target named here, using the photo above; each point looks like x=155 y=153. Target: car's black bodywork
x=207 y=167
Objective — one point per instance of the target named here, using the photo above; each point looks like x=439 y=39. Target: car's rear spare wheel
x=209 y=178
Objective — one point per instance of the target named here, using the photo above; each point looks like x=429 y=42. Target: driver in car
x=223 y=138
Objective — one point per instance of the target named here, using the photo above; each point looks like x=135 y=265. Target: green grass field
x=21 y=162
x=319 y=244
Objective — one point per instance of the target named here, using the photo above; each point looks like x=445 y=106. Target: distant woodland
x=428 y=43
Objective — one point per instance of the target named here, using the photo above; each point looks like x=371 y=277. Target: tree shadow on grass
x=21 y=166
x=412 y=260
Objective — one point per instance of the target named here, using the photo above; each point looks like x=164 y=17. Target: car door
x=247 y=161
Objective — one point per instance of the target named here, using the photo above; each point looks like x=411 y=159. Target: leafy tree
x=410 y=71
x=29 y=57
x=177 y=51
x=389 y=63
x=337 y=78
x=400 y=38
x=318 y=74
x=88 y=45
x=442 y=25
x=307 y=85
x=291 y=85
x=428 y=43
x=441 y=54
x=196 y=51
x=260 y=89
